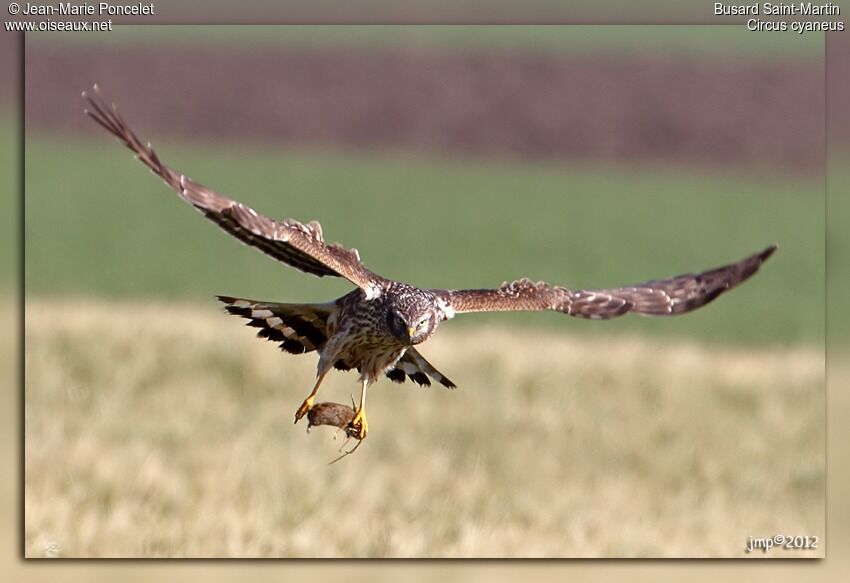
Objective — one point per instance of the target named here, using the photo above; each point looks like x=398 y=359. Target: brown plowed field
x=615 y=109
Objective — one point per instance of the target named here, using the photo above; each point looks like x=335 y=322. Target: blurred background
x=450 y=157
x=587 y=156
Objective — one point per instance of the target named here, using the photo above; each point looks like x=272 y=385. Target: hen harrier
x=375 y=327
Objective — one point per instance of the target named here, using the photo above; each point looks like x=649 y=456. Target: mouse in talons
x=336 y=415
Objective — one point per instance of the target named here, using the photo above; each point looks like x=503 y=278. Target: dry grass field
x=166 y=431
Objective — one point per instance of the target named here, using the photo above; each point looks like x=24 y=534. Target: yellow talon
x=305 y=407
x=358 y=427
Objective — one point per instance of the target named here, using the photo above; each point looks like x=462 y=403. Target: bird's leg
x=358 y=427
x=311 y=398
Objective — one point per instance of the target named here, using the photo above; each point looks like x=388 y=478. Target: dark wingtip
x=292 y=347
x=764 y=255
x=396 y=375
x=447 y=383
x=244 y=312
x=225 y=299
x=420 y=379
x=748 y=267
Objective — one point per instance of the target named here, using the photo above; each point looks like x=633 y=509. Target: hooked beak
x=410 y=333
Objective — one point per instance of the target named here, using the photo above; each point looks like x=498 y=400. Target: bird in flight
x=376 y=327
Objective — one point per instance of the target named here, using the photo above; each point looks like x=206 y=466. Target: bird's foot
x=358 y=427
x=305 y=407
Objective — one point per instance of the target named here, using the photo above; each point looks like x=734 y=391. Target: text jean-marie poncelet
x=99 y=9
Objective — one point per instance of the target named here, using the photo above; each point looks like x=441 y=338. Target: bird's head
x=412 y=323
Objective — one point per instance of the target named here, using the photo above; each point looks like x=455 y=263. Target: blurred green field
x=156 y=430
x=693 y=41
x=100 y=225
x=10 y=233
x=838 y=240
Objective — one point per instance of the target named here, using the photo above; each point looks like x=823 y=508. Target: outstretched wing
x=294 y=243
x=664 y=297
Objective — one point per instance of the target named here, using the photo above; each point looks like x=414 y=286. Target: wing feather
x=298 y=328
x=297 y=244
x=414 y=366
x=664 y=297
